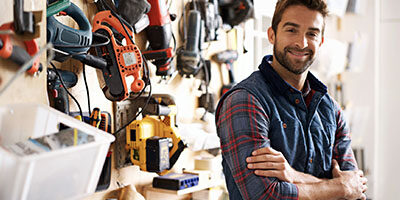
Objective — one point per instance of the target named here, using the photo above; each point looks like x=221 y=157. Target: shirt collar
x=270 y=74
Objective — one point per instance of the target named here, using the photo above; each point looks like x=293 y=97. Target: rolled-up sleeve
x=342 y=151
x=242 y=126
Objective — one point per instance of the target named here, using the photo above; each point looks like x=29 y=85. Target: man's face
x=298 y=38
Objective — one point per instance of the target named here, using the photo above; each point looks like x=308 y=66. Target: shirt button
x=284 y=125
x=297 y=101
x=311 y=160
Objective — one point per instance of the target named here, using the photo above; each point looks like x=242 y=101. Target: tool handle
x=94 y=61
x=231 y=77
x=60 y=34
x=61 y=101
x=19 y=55
x=193 y=34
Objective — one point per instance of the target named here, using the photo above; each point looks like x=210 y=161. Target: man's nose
x=301 y=41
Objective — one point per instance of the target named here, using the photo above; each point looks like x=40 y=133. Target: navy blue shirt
x=264 y=110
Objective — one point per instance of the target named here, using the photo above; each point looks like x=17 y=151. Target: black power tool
x=227 y=57
x=189 y=57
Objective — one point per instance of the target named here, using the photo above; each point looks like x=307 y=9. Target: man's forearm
x=326 y=189
x=305 y=178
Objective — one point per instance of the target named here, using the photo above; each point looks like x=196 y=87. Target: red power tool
x=17 y=54
x=122 y=60
x=159 y=36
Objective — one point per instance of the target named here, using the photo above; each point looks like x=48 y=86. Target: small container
x=67 y=173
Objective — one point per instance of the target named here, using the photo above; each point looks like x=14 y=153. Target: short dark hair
x=282 y=5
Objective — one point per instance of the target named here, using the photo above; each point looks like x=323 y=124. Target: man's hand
x=271 y=163
x=353 y=182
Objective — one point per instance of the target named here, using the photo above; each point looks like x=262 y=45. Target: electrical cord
x=65 y=88
x=143 y=108
x=87 y=88
x=206 y=72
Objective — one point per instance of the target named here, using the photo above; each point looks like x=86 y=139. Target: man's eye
x=313 y=34
x=291 y=30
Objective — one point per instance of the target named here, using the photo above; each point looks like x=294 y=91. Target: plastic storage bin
x=69 y=173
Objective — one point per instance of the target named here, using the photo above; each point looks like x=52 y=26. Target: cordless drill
x=227 y=57
x=57 y=91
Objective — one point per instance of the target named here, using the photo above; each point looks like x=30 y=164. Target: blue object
x=176 y=181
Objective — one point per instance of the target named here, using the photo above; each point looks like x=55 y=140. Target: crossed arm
x=243 y=127
x=268 y=162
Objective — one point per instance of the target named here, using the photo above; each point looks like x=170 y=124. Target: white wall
x=388 y=160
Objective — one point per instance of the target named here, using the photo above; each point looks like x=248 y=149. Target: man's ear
x=271 y=35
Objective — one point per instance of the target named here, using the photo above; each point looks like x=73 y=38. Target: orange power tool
x=122 y=59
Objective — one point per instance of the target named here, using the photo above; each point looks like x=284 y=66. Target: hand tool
x=123 y=60
x=159 y=36
x=95 y=118
x=133 y=10
x=234 y=12
x=17 y=54
x=189 y=58
x=73 y=42
x=210 y=17
x=154 y=142
x=227 y=57
x=57 y=91
x=24 y=22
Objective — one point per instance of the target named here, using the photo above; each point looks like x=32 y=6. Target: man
x=282 y=135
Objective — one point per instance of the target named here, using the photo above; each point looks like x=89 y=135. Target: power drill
x=189 y=58
x=159 y=35
x=57 y=91
x=227 y=57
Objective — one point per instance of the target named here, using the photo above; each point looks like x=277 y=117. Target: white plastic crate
x=69 y=173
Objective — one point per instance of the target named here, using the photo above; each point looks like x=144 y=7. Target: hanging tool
x=17 y=54
x=228 y=57
x=134 y=12
x=189 y=58
x=212 y=21
x=154 y=142
x=57 y=91
x=234 y=12
x=24 y=22
x=159 y=35
x=73 y=42
x=122 y=59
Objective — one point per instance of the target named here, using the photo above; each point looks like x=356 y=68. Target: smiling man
x=282 y=135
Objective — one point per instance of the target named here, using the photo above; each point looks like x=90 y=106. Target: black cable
x=207 y=84
x=87 y=88
x=65 y=88
x=143 y=108
x=107 y=40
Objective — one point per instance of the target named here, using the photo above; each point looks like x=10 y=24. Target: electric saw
x=123 y=57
